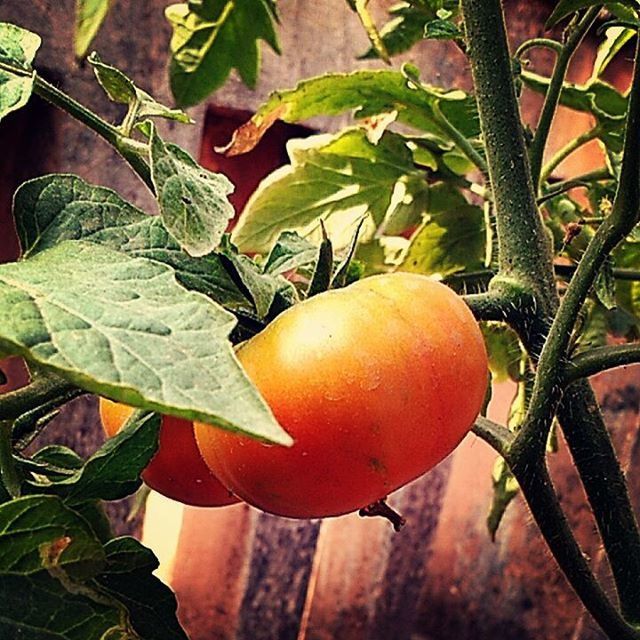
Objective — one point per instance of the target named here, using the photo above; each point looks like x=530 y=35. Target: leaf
x=616 y=38
x=448 y=242
x=291 y=251
x=341 y=277
x=40 y=532
x=261 y=288
x=38 y=607
x=605 y=286
x=598 y=98
x=321 y=278
x=121 y=89
x=129 y=579
x=122 y=327
x=442 y=30
x=505 y=489
x=504 y=351
x=18 y=48
x=565 y=8
x=90 y=15
x=368 y=93
x=408 y=22
x=193 y=201
x=54 y=208
x=211 y=37
x=328 y=175
x=113 y=472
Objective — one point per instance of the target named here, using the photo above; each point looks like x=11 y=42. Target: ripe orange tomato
x=177 y=470
x=376 y=383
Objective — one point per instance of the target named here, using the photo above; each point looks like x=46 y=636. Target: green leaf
x=193 y=201
x=261 y=288
x=447 y=242
x=616 y=38
x=505 y=489
x=90 y=15
x=122 y=327
x=321 y=278
x=504 y=351
x=113 y=472
x=291 y=251
x=342 y=176
x=121 y=89
x=596 y=97
x=442 y=30
x=54 y=208
x=565 y=8
x=129 y=579
x=40 y=532
x=211 y=37
x=18 y=48
x=368 y=93
x=605 y=286
x=408 y=22
x=38 y=607
x=151 y=604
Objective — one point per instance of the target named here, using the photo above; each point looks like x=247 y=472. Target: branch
x=541 y=497
x=524 y=254
x=43 y=389
x=563 y=153
x=606 y=488
x=494 y=434
x=600 y=359
x=536 y=151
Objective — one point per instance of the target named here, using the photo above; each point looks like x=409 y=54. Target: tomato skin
x=177 y=470
x=376 y=383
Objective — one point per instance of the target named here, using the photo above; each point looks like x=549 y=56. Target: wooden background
x=244 y=575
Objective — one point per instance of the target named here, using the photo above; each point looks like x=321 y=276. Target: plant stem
x=563 y=153
x=539 y=143
x=547 y=43
x=541 y=497
x=128 y=148
x=523 y=250
x=600 y=359
x=596 y=460
x=131 y=150
x=499 y=437
x=463 y=144
x=9 y=475
x=619 y=273
x=44 y=388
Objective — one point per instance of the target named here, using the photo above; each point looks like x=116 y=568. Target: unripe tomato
x=376 y=383
x=177 y=470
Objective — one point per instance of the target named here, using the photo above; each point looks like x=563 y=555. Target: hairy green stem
x=43 y=389
x=595 y=457
x=463 y=144
x=131 y=150
x=562 y=154
x=8 y=472
x=600 y=359
x=539 y=143
x=541 y=497
x=523 y=249
x=497 y=436
x=128 y=148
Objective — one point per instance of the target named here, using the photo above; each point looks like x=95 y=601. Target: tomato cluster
x=376 y=383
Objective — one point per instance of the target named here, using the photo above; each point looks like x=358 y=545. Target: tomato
x=376 y=383
x=177 y=470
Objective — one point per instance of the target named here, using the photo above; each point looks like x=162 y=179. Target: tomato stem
x=382 y=509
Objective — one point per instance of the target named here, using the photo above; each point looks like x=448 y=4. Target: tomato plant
x=357 y=372
x=177 y=470
x=353 y=375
